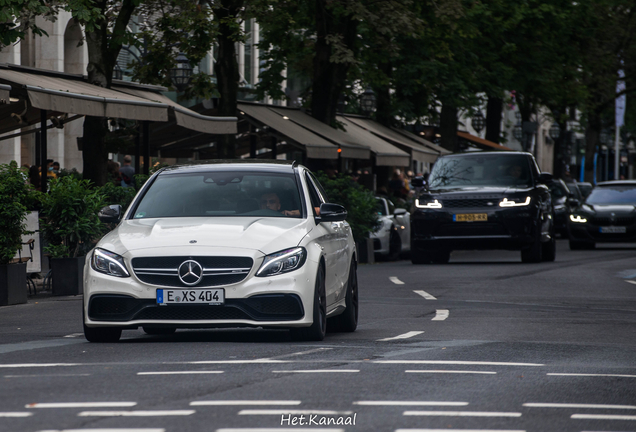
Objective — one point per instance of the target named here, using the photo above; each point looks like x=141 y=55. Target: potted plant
x=70 y=226
x=14 y=193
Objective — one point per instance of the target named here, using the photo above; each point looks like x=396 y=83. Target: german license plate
x=470 y=217
x=613 y=230
x=185 y=296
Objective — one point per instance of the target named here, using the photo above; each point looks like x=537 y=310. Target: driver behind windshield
x=271 y=201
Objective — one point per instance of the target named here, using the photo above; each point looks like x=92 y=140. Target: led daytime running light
x=506 y=203
x=282 y=262
x=435 y=204
x=577 y=219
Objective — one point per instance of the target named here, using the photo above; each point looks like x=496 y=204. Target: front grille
x=619 y=221
x=265 y=307
x=470 y=203
x=163 y=271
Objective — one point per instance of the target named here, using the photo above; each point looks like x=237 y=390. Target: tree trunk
x=329 y=77
x=448 y=127
x=493 y=119
x=592 y=135
x=383 y=113
x=227 y=73
x=561 y=156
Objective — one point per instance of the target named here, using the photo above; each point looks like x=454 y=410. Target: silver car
x=393 y=237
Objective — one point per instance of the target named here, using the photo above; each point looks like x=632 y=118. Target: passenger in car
x=271 y=201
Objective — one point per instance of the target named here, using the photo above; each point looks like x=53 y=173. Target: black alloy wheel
x=317 y=330
x=549 y=248
x=348 y=320
x=441 y=257
x=395 y=244
x=533 y=253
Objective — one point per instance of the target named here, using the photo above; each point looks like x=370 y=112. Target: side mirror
x=332 y=213
x=417 y=181
x=573 y=202
x=545 y=177
x=399 y=212
x=110 y=214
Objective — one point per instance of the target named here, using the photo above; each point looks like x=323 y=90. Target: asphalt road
x=483 y=343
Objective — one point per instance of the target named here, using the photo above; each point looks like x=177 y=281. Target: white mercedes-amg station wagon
x=224 y=244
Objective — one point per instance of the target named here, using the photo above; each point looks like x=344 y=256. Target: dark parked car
x=608 y=214
x=563 y=195
x=480 y=200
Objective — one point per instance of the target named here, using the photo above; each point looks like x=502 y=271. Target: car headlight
x=428 y=204
x=507 y=203
x=109 y=263
x=282 y=262
x=577 y=219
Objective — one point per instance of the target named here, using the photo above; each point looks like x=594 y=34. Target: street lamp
x=517 y=132
x=182 y=73
x=478 y=122
x=367 y=101
x=555 y=131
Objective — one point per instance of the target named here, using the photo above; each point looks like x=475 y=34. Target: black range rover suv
x=480 y=200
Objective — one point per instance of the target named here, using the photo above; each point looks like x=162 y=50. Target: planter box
x=67 y=276
x=365 y=251
x=13 y=287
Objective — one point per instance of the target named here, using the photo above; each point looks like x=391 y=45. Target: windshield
x=220 y=193
x=558 y=190
x=381 y=208
x=481 y=170
x=612 y=195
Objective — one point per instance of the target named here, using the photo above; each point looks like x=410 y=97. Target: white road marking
x=293 y=412
x=570 y=405
x=402 y=336
x=107 y=430
x=256 y=361
x=457 y=430
x=441 y=315
x=602 y=417
x=136 y=413
x=409 y=403
x=15 y=414
x=451 y=372
x=318 y=371
x=303 y=353
x=81 y=405
x=28 y=365
x=395 y=280
x=462 y=413
x=424 y=294
x=591 y=375
x=179 y=373
x=631 y=282
x=455 y=362
x=280 y=430
x=46 y=375
x=72 y=335
x=243 y=402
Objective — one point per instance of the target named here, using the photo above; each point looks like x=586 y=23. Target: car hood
x=610 y=208
x=265 y=234
x=478 y=190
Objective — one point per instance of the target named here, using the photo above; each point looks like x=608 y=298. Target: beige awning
x=386 y=154
x=186 y=117
x=441 y=150
x=350 y=148
x=418 y=152
x=315 y=146
x=78 y=97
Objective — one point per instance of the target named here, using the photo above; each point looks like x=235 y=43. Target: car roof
x=280 y=166
x=617 y=183
x=486 y=154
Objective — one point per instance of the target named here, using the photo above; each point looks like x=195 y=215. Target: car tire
x=317 y=330
x=100 y=334
x=348 y=320
x=419 y=257
x=159 y=331
x=441 y=257
x=395 y=245
x=533 y=253
x=549 y=248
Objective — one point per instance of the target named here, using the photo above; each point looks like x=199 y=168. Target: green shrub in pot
x=15 y=195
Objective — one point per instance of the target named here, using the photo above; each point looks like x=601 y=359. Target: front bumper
x=275 y=301
x=511 y=229
x=590 y=232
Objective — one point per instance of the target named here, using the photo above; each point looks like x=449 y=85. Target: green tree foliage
x=69 y=217
x=15 y=194
x=359 y=202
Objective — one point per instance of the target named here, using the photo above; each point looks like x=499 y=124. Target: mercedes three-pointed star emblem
x=190 y=272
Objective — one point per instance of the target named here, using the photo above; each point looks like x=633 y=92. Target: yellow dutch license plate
x=470 y=217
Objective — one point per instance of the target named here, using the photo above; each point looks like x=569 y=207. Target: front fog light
x=282 y=262
x=109 y=263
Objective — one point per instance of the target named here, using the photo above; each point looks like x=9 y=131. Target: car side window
x=314 y=194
